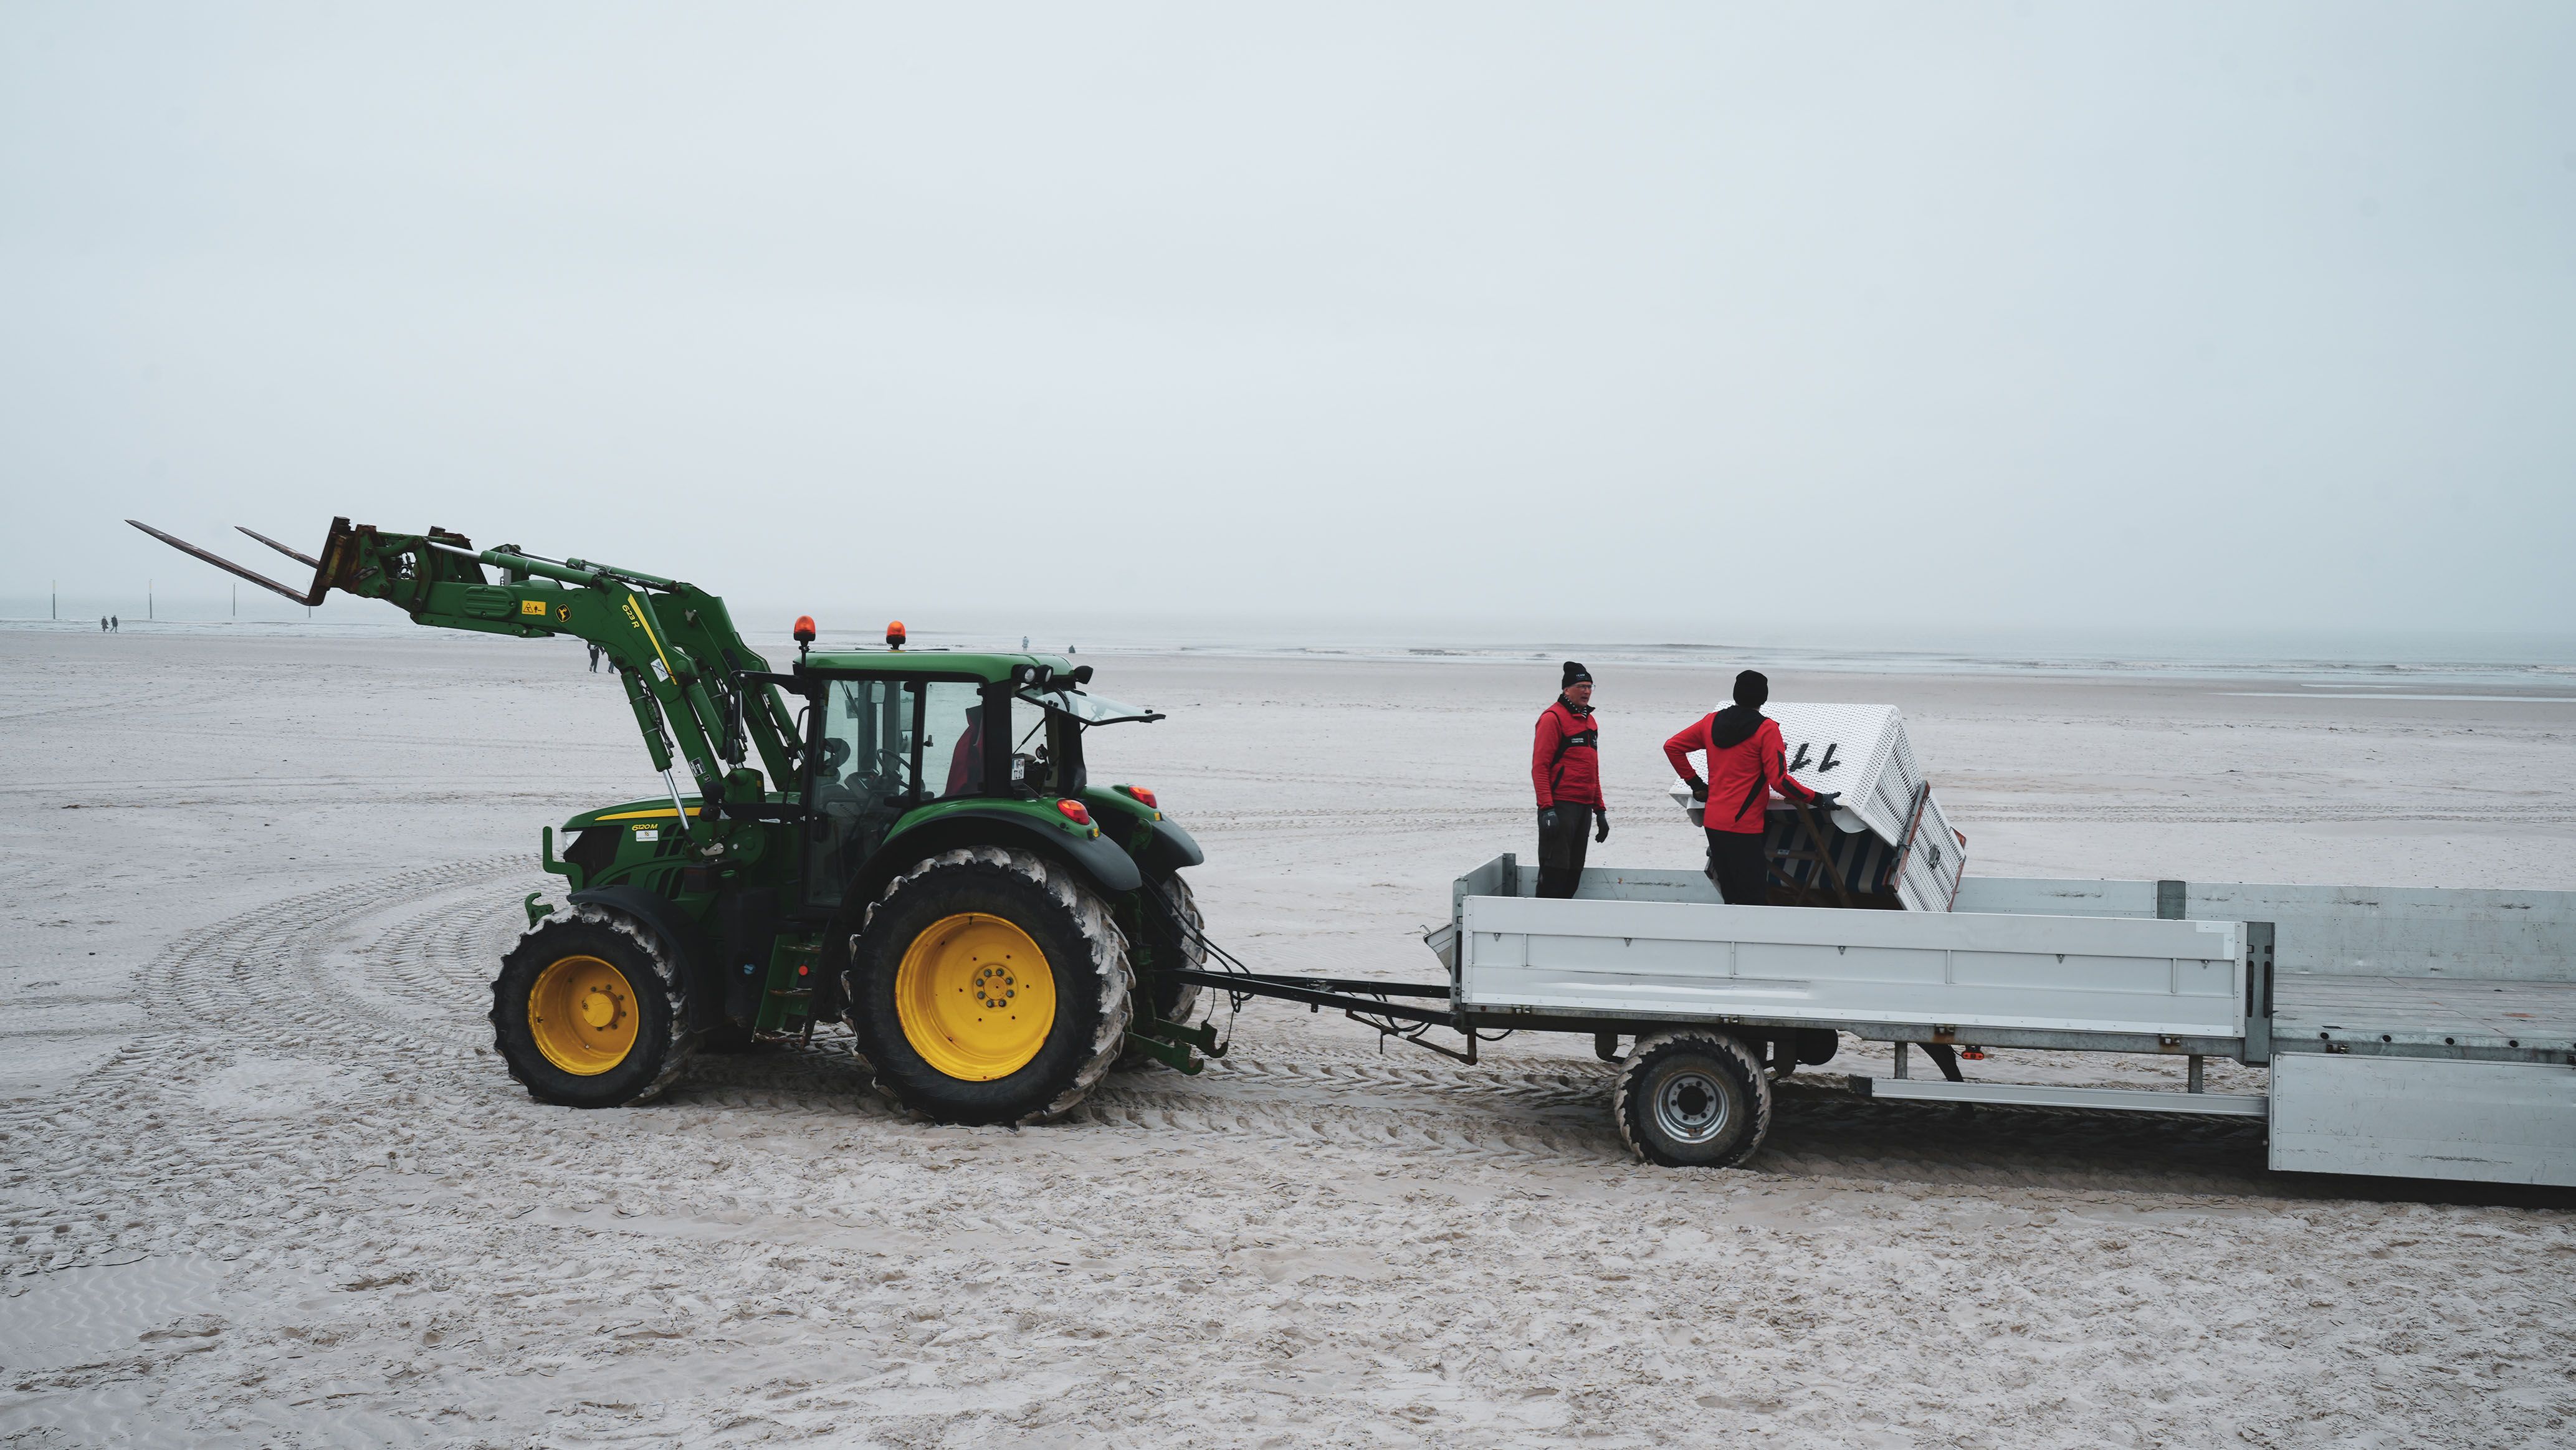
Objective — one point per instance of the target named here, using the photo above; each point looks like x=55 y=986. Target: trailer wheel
x=588 y=1011
x=988 y=986
x=1692 y=1099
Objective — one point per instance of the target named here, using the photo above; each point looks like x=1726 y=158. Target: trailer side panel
x=2068 y=974
x=2398 y=1117
x=2371 y=931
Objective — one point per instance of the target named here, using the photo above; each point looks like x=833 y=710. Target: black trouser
x=1740 y=864
x=1560 y=851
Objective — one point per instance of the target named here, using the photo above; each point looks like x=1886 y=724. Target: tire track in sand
x=397 y=970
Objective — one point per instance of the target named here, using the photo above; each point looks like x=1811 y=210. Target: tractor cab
x=903 y=740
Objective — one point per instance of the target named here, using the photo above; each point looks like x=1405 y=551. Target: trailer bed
x=2409 y=1032
x=2060 y=981
x=2439 y=1017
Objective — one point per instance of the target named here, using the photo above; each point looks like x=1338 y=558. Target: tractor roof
x=930 y=662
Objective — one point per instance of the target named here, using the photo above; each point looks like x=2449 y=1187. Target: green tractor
x=919 y=852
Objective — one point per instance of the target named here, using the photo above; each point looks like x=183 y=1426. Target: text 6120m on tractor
x=918 y=852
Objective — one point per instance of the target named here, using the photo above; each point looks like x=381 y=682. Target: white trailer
x=2412 y=1033
x=2409 y=1033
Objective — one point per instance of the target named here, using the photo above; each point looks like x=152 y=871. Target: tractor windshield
x=1089 y=709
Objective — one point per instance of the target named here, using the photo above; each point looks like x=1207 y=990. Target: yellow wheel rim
x=975 y=997
x=582 y=1014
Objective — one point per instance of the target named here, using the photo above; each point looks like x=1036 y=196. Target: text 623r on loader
x=924 y=859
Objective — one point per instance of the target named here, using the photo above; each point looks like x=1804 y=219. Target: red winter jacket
x=1565 y=759
x=1741 y=776
x=966 y=762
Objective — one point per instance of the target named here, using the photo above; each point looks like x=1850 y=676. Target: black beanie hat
x=1574 y=675
x=1752 y=689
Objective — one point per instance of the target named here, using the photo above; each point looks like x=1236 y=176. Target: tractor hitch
x=1176 y=1045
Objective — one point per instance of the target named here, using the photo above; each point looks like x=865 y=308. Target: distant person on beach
x=1746 y=763
x=115 y=625
x=102 y=624
x=1565 y=768
x=594 y=659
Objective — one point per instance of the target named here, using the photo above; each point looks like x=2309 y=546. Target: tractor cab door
x=864 y=778
x=954 y=751
x=882 y=747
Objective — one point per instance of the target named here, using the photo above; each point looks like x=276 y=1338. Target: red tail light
x=1141 y=796
x=1075 y=811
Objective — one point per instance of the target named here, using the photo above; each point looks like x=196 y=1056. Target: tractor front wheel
x=587 y=1011
x=988 y=986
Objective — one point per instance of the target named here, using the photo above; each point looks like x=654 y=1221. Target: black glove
x=1699 y=790
x=1825 y=799
x=1547 y=818
x=1600 y=824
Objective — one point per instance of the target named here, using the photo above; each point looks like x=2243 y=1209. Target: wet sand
x=263 y=1182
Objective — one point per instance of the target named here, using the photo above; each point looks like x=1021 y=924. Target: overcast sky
x=1674 y=322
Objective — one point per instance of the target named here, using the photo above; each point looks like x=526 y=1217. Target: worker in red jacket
x=1565 y=767
x=1747 y=763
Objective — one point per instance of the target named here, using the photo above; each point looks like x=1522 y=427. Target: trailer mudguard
x=1095 y=857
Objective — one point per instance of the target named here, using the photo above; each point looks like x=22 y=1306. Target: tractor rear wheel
x=1178 y=936
x=1175 y=935
x=988 y=986
x=588 y=1012
x=1692 y=1099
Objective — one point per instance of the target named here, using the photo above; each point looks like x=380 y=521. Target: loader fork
x=309 y=598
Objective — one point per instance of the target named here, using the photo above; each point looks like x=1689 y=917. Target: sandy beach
x=264 y=1184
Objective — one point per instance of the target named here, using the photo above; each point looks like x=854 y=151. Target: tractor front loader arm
x=688 y=675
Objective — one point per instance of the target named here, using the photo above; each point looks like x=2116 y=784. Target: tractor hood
x=657 y=808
